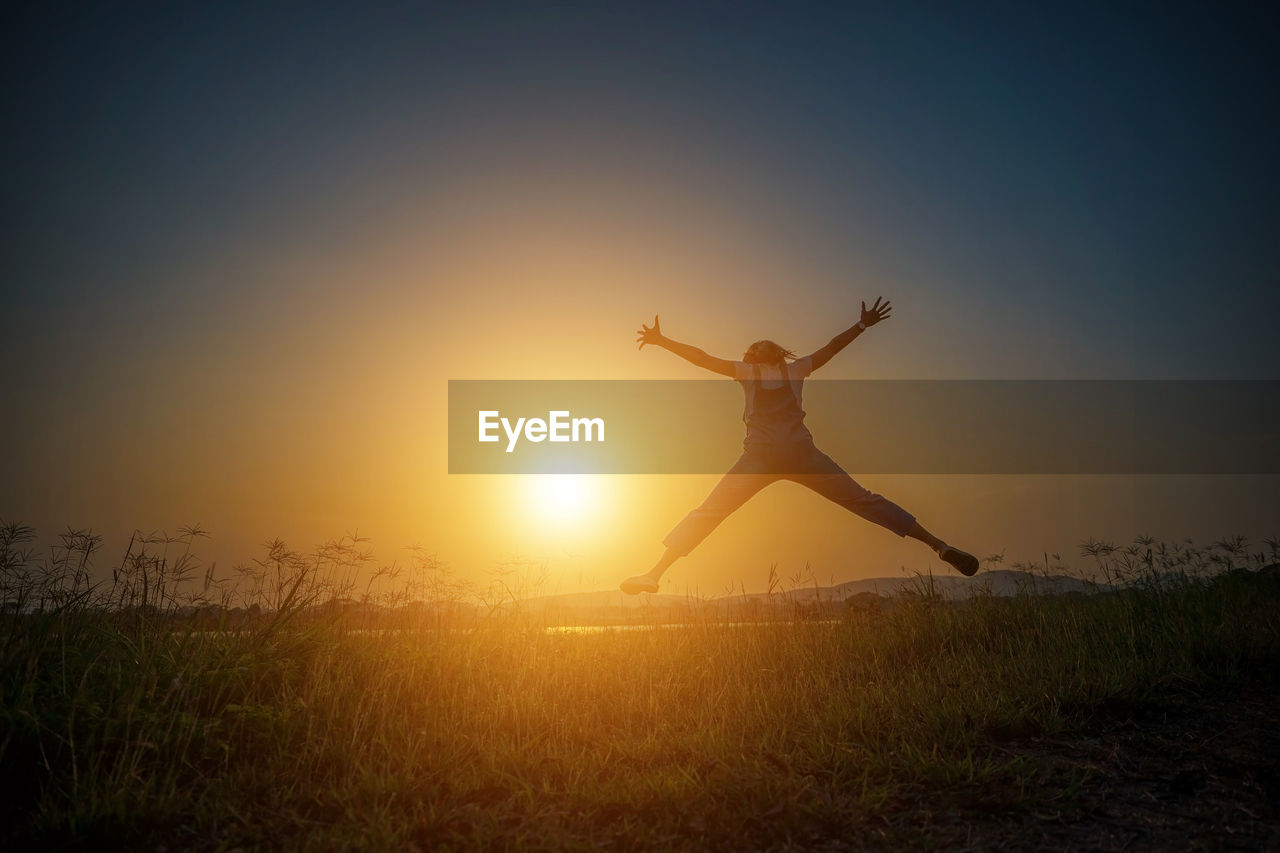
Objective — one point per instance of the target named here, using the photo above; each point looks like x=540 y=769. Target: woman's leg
x=918 y=532
x=828 y=479
x=734 y=489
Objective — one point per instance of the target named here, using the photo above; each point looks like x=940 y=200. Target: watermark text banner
x=872 y=426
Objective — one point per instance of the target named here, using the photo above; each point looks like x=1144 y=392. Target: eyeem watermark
x=558 y=427
x=1137 y=427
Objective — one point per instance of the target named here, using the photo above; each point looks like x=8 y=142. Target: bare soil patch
x=1198 y=775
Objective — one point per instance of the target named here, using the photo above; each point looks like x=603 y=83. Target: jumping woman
x=779 y=446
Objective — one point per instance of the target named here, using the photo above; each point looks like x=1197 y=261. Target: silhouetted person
x=779 y=446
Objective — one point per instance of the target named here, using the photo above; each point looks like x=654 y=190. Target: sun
x=563 y=498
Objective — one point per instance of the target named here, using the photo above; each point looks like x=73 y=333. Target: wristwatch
x=862 y=326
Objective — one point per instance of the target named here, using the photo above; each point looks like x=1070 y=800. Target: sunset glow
x=567 y=500
x=238 y=297
x=639 y=426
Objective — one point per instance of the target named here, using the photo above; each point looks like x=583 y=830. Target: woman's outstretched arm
x=653 y=335
x=870 y=317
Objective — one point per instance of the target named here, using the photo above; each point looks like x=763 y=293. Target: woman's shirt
x=773 y=413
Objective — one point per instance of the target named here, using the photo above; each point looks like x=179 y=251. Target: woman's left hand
x=877 y=312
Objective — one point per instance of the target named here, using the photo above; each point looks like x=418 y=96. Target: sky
x=247 y=246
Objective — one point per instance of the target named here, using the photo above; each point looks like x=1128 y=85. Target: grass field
x=1015 y=720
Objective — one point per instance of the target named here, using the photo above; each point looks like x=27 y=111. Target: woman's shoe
x=638 y=584
x=965 y=564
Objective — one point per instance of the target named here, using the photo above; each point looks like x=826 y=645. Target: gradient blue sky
x=1111 y=166
x=251 y=211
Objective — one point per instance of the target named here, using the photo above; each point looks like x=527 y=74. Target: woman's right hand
x=649 y=334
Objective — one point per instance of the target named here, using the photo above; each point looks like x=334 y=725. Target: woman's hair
x=767 y=352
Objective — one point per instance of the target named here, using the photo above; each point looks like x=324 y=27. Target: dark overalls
x=779 y=446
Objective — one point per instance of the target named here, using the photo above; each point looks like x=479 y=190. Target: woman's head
x=766 y=352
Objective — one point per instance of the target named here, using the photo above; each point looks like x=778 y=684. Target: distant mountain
x=1004 y=582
